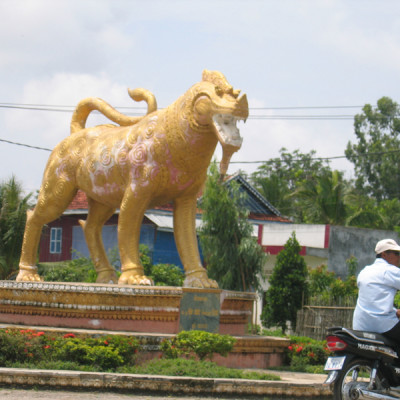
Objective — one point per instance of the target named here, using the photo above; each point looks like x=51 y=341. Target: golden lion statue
x=146 y=161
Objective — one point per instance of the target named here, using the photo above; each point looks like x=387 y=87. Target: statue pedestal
x=154 y=309
x=149 y=313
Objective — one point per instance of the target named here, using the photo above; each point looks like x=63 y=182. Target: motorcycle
x=364 y=365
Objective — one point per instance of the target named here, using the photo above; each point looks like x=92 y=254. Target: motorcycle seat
x=364 y=336
x=374 y=337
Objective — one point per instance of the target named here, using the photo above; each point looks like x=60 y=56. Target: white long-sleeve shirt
x=377 y=284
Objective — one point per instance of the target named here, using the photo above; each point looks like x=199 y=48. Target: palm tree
x=323 y=198
x=13 y=207
x=275 y=188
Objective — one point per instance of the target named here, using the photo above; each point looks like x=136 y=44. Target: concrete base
x=233 y=388
x=147 y=309
x=149 y=313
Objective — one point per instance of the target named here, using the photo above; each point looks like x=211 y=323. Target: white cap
x=385 y=245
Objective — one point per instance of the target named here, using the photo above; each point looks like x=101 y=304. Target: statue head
x=216 y=103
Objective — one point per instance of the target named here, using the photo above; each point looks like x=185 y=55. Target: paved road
x=47 y=394
x=32 y=394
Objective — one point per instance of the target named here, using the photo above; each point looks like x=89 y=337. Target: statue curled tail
x=86 y=106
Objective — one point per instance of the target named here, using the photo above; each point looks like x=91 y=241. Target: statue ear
x=205 y=76
x=202 y=109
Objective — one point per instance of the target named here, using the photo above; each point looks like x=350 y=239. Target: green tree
x=389 y=214
x=233 y=257
x=277 y=179
x=288 y=286
x=362 y=210
x=323 y=198
x=13 y=207
x=366 y=212
x=376 y=154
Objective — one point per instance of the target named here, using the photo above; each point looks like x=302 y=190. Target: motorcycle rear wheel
x=357 y=372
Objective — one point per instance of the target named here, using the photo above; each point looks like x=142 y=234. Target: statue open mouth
x=229 y=137
x=228 y=132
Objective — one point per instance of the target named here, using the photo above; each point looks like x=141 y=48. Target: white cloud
x=62 y=89
x=287 y=53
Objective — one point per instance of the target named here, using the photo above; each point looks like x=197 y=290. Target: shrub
x=127 y=346
x=303 y=354
x=21 y=346
x=167 y=275
x=82 y=269
x=77 y=270
x=327 y=289
x=24 y=347
x=27 y=348
x=104 y=357
x=106 y=353
x=161 y=274
x=199 y=343
x=320 y=279
x=304 y=351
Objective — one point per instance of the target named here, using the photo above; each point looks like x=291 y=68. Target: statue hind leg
x=50 y=205
x=98 y=215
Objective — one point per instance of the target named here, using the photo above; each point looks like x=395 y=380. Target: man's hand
x=398 y=313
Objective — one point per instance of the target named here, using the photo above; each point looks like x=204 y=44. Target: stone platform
x=154 y=309
x=151 y=313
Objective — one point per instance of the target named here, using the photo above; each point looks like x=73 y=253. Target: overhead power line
x=44 y=106
x=70 y=109
x=302 y=107
x=304 y=117
x=379 y=153
x=137 y=111
x=25 y=145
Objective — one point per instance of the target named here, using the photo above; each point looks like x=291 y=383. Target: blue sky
x=287 y=53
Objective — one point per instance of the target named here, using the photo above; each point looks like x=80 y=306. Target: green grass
x=169 y=367
x=193 y=368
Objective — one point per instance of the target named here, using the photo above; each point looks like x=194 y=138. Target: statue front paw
x=130 y=278
x=28 y=274
x=199 y=279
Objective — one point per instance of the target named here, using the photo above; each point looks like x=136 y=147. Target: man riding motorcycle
x=365 y=360
x=378 y=283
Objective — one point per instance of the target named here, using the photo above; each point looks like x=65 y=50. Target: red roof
x=263 y=217
x=79 y=202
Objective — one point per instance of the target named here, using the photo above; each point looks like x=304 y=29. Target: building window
x=55 y=240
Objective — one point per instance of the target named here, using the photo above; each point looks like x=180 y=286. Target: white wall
x=306 y=235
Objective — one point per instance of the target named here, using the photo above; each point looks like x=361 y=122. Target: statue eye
x=219 y=91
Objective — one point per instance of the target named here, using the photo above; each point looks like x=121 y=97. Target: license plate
x=334 y=363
